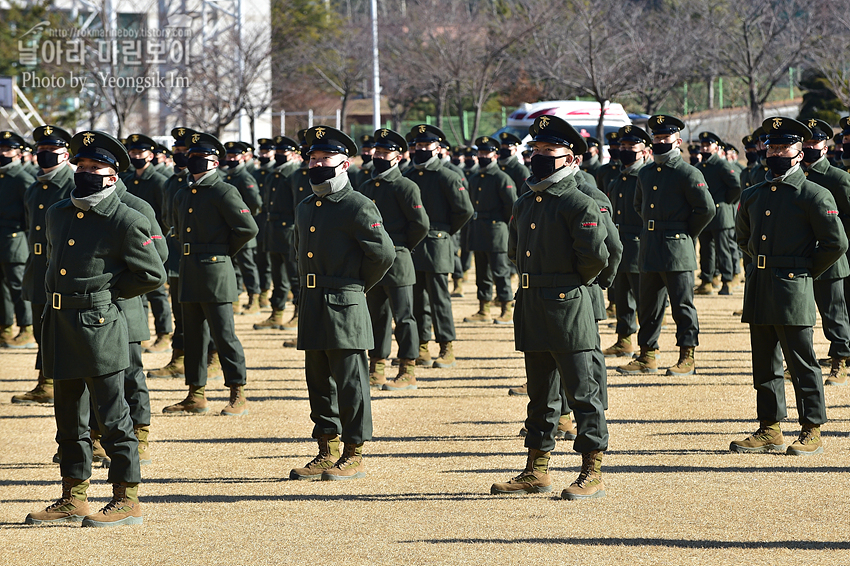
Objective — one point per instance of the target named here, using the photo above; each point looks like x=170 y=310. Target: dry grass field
x=217 y=491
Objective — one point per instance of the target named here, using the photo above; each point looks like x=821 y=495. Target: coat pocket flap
x=212 y=258
x=344 y=298
x=99 y=316
x=560 y=293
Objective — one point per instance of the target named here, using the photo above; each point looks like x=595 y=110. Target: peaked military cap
x=101 y=147
x=663 y=124
x=236 y=147
x=551 y=129
x=782 y=130
x=367 y=140
x=838 y=139
x=51 y=135
x=266 y=143
x=284 y=143
x=199 y=142
x=470 y=151
x=527 y=153
x=140 y=141
x=179 y=134
x=845 y=126
x=167 y=152
x=27 y=148
x=426 y=133
x=633 y=134
x=507 y=138
x=591 y=142
x=693 y=148
x=749 y=141
x=487 y=143
x=760 y=134
x=302 y=136
x=730 y=147
x=458 y=150
x=388 y=139
x=613 y=138
x=159 y=148
x=709 y=137
x=11 y=139
x=820 y=130
x=325 y=138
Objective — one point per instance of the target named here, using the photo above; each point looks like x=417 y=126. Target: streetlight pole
x=376 y=70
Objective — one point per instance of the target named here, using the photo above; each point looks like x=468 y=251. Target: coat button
x=658 y=169
x=619 y=212
x=71 y=242
x=763 y=237
x=533 y=225
x=494 y=222
x=421 y=173
x=194 y=191
x=677 y=236
x=377 y=184
x=62 y=272
x=136 y=182
x=807 y=173
x=717 y=205
x=191 y=210
x=37 y=228
x=80 y=215
x=40 y=206
x=213 y=258
x=790 y=276
x=655 y=188
x=482 y=176
x=539 y=199
x=318 y=203
x=15 y=235
x=624 y=178
x=44 y=187
x=621 y=195
x=309 y=254
x=273 y=190
x=283 y=224
x=439 y=234
x=188 y=229
x=773 y=187
x=563 y=295
x=101 y=320
x=652 y=206
x=312 y=228
x=767 y=213
x=528 y=254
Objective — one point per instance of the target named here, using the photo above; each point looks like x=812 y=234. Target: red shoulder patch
x=832 y=212
x=244 y=210
x=417 y=206
x=156 y=237
x=145 y=243
x=588 y=224
x=603 y=209
x=700 y=184
x=376 y=224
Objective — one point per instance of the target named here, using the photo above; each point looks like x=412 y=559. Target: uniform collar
x=820 y=166
x=509 y=161
x=390 y=175
x=286 y=168
x=210 y=178
x=560 y=188
x=795 y=179
x=147 y=173
x=337 y=196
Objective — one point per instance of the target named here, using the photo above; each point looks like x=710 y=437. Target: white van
x=582 y=115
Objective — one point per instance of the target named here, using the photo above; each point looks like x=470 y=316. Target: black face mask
x=661 y=148
x=586 y=157
x=5 y=160
x=138 y=162
x=751 y=157
x=456 y=161
x=88 y=183
x=845 y=153
x=627 y=157
x=264 y=160
x=614 y=152
x=504 y=153
x=810 y=154
x=231 y=163
x=198 y=164
x=469 y=163
x=280 y=158
x=779 y=165
x=366 y=159
x=694 y=159
x=705 y=156
x=381 y=165
x=320 y=174
x=420 y=156
x=543 y=165
x=483 y=162
x=762 y=153
x=47 y=159
x=180 y=160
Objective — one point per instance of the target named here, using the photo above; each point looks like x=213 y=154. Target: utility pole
x=376 y=70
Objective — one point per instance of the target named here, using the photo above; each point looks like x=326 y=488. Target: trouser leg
x=219 y=316
x=441 y=307
x=680 y=289
x=653 y=297
x=161 y=310
x=806 y=374
x=116 y=427
x=177 y=311
x=291 y=264
x=248 y=267
x=280 y=280
x=338 y=388
x=71 y=411
x=501 y=271
x=768 y=380
x=263 y=269
x=7 y=307
x=37 y=311
x=544 y=400
x=580 y=374
x=382 y=322
x=14 y=275
x=422 y=306
x=829 y=296
x=406 y=335
x=196 y=337
x=707 y=256
x=625 y=299
x=723 y=245
x=483 y=277
x=136 y=388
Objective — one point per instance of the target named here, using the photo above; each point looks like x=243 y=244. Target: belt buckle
x=525 y=280
x=311 y=280
x=650 y=225
x=761 y=262
x=186 y=249
x=617 y=226
x=57 y=301
x=36 y=249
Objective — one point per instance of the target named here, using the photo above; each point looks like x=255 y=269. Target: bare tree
x=826 y=53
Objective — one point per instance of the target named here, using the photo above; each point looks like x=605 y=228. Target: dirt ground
x=217 y=491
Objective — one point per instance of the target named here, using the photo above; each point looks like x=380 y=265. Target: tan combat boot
x=236 y=308
x=252 y=306
x=446 y=359
x=377 y=372
x=214 y=371
x=162 y=343
x=42 y=393
x=238 y=404
x=520 y=391
x=424 y=358
x=350 y=465
x=24 y=339
x=292 y=322
x=98 y=454
x=142 y=433
x=483 y=314
x=327 y=457
x=685 y=365
x=645 y=363
x=263 y=299
x=726 y=289
x=274 y=321
x=194 y=403
x=457 y=289
x=704 y=289
x=808 y=444
x=72 y=507
x=837 y=372
x=623 y=347
x=507 y=314
x=123 y=509
x=7 y=333
x=589 y=484
x=290 y=343
x=406 y=378
x=566 y=429
x=768 y=437
x=174 y=368
x=534 y=478
x=611 y=310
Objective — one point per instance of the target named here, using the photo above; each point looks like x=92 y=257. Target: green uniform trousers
x=161 y=310
x=135 y=390
x=246 y=271
x=37 y=311
x=832 y=304
x=177 y=311
x=579 y=374
x=654 y=290
x=264 y=269
x=432 y=305
x=13 y=300
x=285 y=278
x=196 y=337
x=386 y=304
x=768 y=380
x=493 y=268
x=716 y=254
x=74 y=399
x=338 y=388
x=626 y=296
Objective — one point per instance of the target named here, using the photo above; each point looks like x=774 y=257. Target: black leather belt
x=60 y=301
x=554 y=280
x=763 y=261
x=311 y=281
x=190 y=248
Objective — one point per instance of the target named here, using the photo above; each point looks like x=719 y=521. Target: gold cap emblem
x=504 y=135
x=7 y=135
x=627 y=129
x=181 y=132
x=777 y=123
x=813 y=123
x=195 y=138
x=485 y=139
x=278 y=139
x=384 y=133
x=88 y=138
x=229 y=145
x=134 y=137
x=544 y=121
x=422 y=128
x=320 y=132
x=47 y=130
